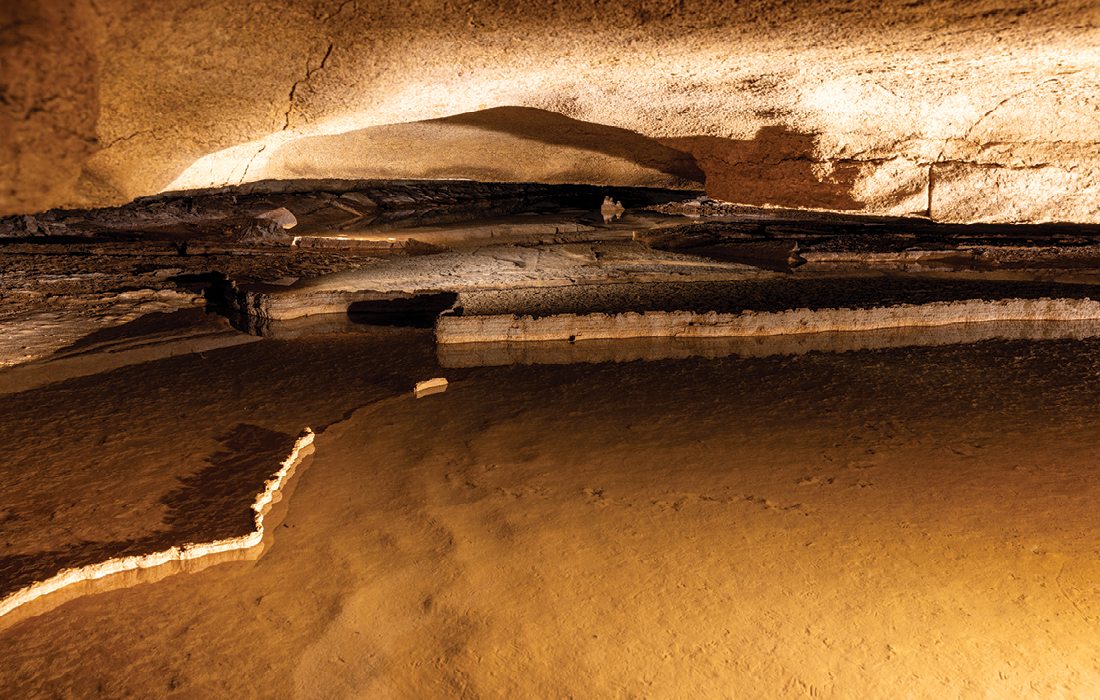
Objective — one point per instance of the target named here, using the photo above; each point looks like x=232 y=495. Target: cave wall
x=979 y=111
x=49 y=101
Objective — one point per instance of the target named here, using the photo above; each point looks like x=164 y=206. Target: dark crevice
x=418 y=311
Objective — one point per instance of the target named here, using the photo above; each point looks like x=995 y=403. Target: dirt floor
x=902 y=512
x=907 y=522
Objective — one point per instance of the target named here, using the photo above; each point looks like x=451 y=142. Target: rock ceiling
x=975 y=111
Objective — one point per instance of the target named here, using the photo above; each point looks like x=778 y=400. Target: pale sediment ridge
x=595 y=351
x=689 y=324
x=613 y=280
x=173 y=556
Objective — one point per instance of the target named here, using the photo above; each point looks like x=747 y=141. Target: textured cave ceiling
x=964 y=111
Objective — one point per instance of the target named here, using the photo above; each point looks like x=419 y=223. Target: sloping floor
x=906 y=521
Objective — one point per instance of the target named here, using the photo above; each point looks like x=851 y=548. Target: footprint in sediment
x=815 y=480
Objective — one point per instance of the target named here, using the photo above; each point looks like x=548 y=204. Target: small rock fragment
x=435 y=385
x=611 y=210
x=281 y=216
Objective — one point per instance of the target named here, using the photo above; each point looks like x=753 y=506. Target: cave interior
x=555 y=348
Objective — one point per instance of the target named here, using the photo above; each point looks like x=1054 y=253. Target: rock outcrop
x=978 y=111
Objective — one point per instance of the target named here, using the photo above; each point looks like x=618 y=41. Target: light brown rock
x=829 y=105
x=282 y=216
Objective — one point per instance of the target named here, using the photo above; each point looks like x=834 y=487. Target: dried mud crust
x=214 y=512
x=761 y=296
x=170 y=452
x=891 y=522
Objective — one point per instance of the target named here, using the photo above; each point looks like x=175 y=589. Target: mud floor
x=914 y=522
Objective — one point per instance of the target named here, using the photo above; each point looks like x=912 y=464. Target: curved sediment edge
x=185 y=557
x=690 y=324
x=593 y=351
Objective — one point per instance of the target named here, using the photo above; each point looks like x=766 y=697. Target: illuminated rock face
x=979 y=111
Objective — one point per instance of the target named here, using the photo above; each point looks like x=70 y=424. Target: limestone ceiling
x=976 y=111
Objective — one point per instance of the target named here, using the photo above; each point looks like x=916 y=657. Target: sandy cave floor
x=904 y=522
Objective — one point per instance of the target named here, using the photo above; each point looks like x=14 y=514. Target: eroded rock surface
x=978 y=111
